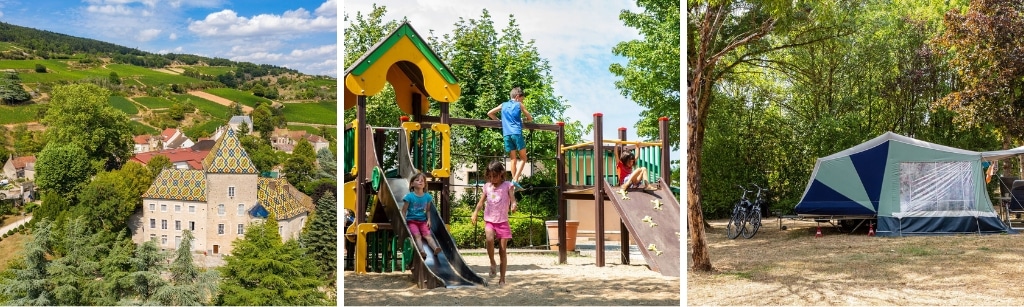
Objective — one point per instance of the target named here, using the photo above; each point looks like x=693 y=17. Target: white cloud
x=110 y=10
x=227 y=23
x=315 y=52
x=173 y=36
x=178 y=49
x=328 y=9
x=147 y=35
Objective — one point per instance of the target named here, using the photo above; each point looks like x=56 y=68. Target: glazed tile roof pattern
x=228 y=156
x=178 y=184
x=282 y=199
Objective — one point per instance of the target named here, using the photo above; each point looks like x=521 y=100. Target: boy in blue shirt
x=512 y=131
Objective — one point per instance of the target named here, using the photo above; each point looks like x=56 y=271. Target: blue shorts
x=514 y=142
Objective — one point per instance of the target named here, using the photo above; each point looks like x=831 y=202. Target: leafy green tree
x=304 y=149
x=189 y=285
x=131 y=274
x=263 y=271
x=263 y=156
x=321 y=237
x=40 y=68
x=74 y=275
x=63 y=168
x=263 y=121
x=80 y=115
x=299 y=170
x=984 y=48
x=11 y=91
x=27 y=142
x=29 y=285
x=328 y=163
x=114 y=78
x=157 y=164
x=651 y=77
x=111 y=197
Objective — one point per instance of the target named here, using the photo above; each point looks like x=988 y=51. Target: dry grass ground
x=10 y=248
x=532 y=280
x=793 y=267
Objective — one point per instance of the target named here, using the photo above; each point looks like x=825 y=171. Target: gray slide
x=448 y=266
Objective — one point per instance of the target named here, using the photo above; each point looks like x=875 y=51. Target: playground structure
x=378 y=230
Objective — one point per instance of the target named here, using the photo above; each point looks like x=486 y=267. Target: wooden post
x=623 y=231
x=562 y=205
x=666 y=168
x=598 y=191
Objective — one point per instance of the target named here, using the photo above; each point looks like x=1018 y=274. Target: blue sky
x=576 y=36
x=300 y=34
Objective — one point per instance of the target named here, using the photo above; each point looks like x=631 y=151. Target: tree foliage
x=11 y=91
x=263 y=271
x=80 y=115
x=188 y=284
x=651 y=77
x=63 y=168
x=321 y=236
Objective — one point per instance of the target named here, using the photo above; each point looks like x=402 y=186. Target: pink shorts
x=418 y=228
x=501 y=230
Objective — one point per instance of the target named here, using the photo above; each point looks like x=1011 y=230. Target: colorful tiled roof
x=228 y=156
x=178 y=184
x=282 y=199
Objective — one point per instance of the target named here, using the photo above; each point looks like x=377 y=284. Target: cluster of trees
x=76 y=264
x=11 y=91
x=774 y=84
x=46 y=42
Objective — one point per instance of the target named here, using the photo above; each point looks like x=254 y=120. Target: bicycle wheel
x=733 y=228
x=754 y=220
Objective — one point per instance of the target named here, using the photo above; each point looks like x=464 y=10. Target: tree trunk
x=697 y=102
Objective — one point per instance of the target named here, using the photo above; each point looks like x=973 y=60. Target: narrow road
x=7 y=228
x=220 y=100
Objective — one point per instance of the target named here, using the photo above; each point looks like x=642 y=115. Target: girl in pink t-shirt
x=498 y=195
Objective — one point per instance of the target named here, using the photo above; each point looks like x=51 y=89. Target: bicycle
x=754 y=216
x=738 y=222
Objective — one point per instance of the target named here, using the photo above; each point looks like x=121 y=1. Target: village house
x=285 y=140
x=20 y=167
x=216 y=202
x=185 y=158
x=170 y=138
x=236 y=122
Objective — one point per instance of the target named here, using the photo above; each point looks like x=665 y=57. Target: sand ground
x=532 y=279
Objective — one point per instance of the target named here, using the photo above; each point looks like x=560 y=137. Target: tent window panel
x=936 y=186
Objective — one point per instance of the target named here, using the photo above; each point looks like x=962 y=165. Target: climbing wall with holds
x=652 y=218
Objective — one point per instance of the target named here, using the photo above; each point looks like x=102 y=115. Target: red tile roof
x=21 y=162
x=194 y=158
x=141 y=139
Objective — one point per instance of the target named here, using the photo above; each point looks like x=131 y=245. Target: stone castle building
x=217 y=202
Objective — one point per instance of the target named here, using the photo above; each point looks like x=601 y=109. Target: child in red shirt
x=630 y=177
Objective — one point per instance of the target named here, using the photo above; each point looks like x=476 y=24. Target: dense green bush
x=525 y=231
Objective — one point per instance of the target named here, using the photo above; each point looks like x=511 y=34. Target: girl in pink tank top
x=497 y=194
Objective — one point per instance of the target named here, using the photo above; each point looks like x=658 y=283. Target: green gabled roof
x=405 y=30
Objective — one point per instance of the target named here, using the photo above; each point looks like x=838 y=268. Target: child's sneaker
x=516 y=184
